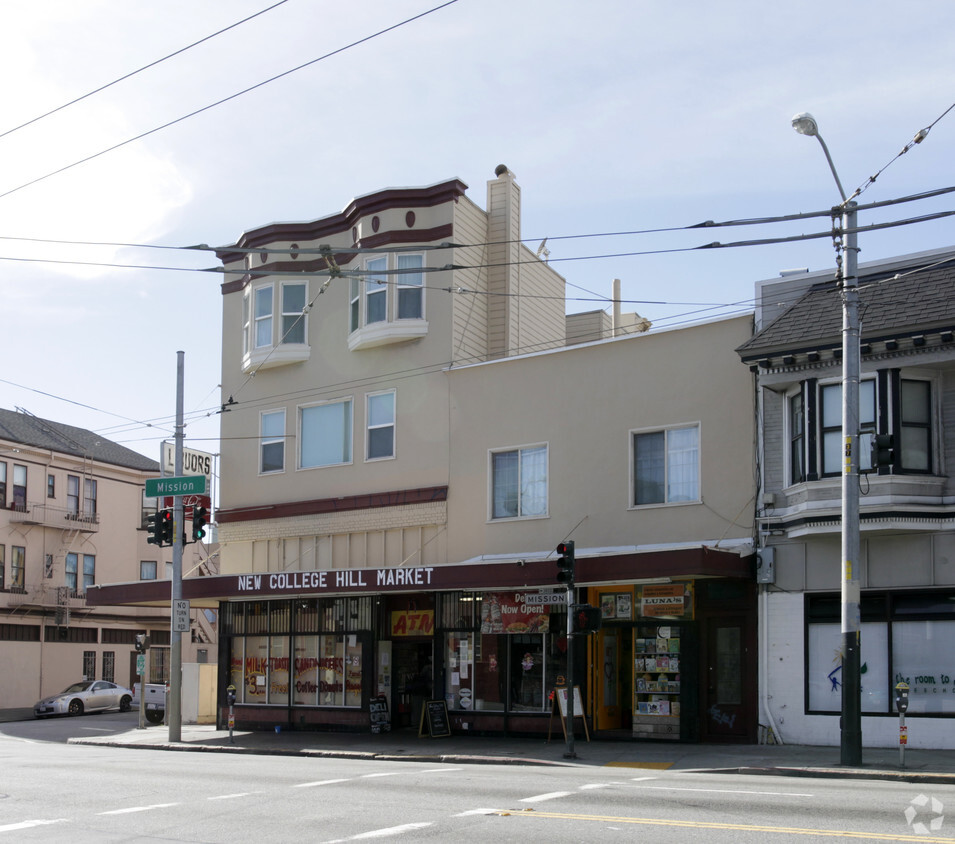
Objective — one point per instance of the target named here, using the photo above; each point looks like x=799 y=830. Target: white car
x=87 y=696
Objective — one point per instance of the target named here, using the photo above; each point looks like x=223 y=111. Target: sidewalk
x=923 y=766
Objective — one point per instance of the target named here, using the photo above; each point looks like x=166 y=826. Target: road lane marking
x=725 y=791
x=597 y=785
x=392 y=830
x=133 y=809
x=15 y=827
x=553 y=795
x=234 y=796
x=383 y=774
x=476 y=812
x=777 y=830
x=319 y=782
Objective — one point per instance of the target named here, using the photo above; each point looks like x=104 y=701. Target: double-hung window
x=915 y=426
x=325 y=434
x=519 y=483
x=263 y=316
x=272 y=451
x=3 y=484
x=73 y=495
x=89 y=498
x=376 y=291
x=666 y=466
x=410 y=287
x=19 y=487
x=293 y=313
x=18 y=563
x=830 y=415
x=381 y=425
x=797 y=438
x=3 y=566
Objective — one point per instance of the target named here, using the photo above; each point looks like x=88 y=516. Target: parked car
x=87 y=696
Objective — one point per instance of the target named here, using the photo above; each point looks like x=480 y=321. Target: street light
x=851 y=722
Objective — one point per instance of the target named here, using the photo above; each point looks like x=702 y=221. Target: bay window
x=386 y=304
x=274 y=325
x=915 y=426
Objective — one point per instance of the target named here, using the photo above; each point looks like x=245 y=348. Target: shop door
x=607 y=662
x=729 y=679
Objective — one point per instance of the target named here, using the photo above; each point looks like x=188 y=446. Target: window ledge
x=268 y=357
x=385 y=333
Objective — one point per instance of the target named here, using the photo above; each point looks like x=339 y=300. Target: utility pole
x=174 y=704
x=851 y=732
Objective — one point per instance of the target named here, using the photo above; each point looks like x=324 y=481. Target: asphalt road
x=51 y=791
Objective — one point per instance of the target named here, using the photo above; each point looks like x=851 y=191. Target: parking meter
x=230 y=699
x=902 y=697
x=902 y=704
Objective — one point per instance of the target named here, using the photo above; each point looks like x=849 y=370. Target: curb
x=847 y=774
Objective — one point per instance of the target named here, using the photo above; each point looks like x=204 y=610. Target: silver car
x=87 y=696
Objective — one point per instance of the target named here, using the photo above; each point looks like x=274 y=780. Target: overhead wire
x=231 y=97
x=133 y=73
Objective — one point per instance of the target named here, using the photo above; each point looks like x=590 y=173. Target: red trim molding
x=396 y=498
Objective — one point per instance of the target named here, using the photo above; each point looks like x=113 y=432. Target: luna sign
x=193 y=462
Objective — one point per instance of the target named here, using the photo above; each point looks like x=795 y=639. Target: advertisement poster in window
x=666 y=600
x=507 y=612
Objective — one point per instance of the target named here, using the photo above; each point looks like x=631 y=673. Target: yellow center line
x=789 y=830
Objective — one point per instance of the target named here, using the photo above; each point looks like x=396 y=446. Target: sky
x=616 y=116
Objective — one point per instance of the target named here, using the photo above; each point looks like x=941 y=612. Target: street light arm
x=832 y=166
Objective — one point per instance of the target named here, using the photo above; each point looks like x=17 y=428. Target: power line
x=198 y=111
x=133 y=73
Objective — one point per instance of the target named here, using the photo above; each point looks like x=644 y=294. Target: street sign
x=546 y=598
x=140 y=664
x=185 y=485
x=193 y=462
x=180 y=616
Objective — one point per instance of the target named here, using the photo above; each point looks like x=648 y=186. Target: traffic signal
x=586 y=618
x=200 y=518
x=142 y=643
x=166 y=527
x=565 y=563
x=154 y=529
x=883 y=451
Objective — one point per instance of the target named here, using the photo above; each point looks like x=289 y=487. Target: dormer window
x=266 y=341
x=386 y=303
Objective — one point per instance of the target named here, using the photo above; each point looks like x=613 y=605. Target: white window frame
x=821 y=429
x=667 y=432
x=270 y=440
x=371 y=425
x=380 y=277
x=271 y=349
x=522 y=494
x=348 y=433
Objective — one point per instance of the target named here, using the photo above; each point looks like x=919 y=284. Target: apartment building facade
x=411 y=429
x=72 y=515
x=907 y=556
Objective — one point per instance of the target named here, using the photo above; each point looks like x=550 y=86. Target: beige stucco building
x=413 y=425
x=72 y=515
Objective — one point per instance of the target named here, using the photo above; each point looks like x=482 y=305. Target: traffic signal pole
x=570 y=754
x=174 y=703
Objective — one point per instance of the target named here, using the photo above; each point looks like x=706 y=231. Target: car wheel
x=125 y=703
x=76 y=707
x=154 y=716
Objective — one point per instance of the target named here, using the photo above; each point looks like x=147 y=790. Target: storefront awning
x=518 y=574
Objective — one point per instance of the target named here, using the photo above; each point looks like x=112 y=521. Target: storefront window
x=922 y=658
x=306 y=671
x=278 y=669
x=256 y=669
x=918 y=652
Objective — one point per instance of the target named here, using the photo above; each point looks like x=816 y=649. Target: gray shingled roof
x=42 y=433
x=889 y=307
